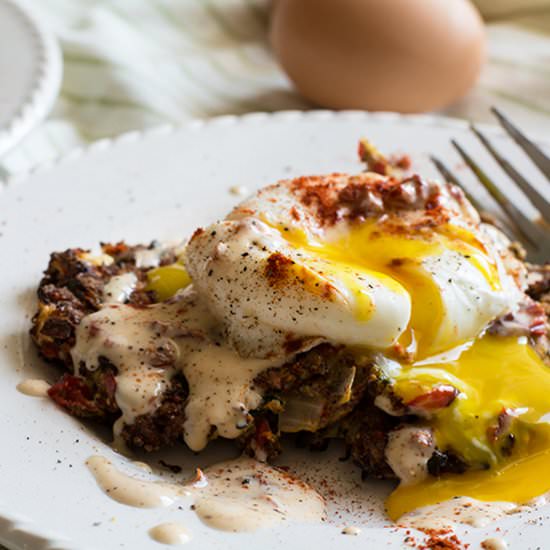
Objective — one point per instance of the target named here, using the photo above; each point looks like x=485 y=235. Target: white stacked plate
x=30 y=72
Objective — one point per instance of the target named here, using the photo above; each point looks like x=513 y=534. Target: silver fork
x=534 y=234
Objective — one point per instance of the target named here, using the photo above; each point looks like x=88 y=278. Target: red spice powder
x=437 y=539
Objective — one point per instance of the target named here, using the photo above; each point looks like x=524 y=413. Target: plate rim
x=256 y=117
x=23 y=531
x=46 y=81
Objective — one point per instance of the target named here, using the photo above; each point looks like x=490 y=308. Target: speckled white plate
x=30 y=72
x=163 y=185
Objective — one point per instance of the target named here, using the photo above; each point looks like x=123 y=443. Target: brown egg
x=391 y=55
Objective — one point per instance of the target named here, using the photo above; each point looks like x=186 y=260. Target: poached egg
x=414 y=276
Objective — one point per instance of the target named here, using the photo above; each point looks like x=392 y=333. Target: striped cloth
x=133 y=64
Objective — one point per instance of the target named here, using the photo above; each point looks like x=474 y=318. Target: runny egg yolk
x=395 y=259
x=496 y=424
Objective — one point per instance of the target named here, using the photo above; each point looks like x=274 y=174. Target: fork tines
x=535 y=233
x=533 y=151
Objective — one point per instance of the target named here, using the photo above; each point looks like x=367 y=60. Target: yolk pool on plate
x=495 y=375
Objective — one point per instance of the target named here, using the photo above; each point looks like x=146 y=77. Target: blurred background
x=134 y=64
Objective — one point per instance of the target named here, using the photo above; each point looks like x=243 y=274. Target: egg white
x=229 y=261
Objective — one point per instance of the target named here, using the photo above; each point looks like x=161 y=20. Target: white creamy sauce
x=131 y=491
x=460 y=510
x=245 y=495
x=148 y=257
x=152 y=256
x=126 y=336
x=238 y=495
x=170 y=533
x=143 y=466
x=494 y=543
x=220 y=393
x=351 y=530
x=149 y=345
x=119 y=288
x=408 y=450
x=34 y=387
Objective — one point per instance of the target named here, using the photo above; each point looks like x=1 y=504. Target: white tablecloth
x=133 y=64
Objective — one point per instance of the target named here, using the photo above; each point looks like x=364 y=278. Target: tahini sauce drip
x=246 y=495
x=460 y=510
x=170 y=533
x=238 y=495
x=150 y=345
x=132 y=491
x=33 y=387
x=119 y=288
